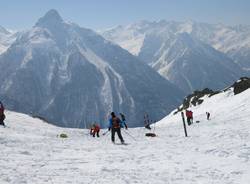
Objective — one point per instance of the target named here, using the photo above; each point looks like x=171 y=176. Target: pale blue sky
x=99 y=14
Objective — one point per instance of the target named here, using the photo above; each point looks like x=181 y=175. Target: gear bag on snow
x=150 y=134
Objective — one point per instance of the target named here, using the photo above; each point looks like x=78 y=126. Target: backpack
x=116 y=122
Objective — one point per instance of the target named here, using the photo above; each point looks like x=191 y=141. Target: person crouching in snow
x=95 y=129
x=2 y=116
x=115 y=125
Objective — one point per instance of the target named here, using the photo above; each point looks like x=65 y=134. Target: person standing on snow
x=123 y=121
x=2 y=116
x=189 y=115
x=208 y=115
x=115 y=125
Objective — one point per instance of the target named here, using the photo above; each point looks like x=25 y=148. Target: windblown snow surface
x=215 y=152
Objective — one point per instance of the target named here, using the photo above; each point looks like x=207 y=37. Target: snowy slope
x=223 y=141
x=216 y=151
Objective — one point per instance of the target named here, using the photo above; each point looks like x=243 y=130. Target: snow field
x=216 y=151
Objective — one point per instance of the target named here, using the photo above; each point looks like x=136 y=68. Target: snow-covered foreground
x=216 y=151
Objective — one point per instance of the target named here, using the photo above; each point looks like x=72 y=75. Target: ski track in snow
x=216 y=152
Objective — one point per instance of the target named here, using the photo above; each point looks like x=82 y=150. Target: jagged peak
x=50 y=18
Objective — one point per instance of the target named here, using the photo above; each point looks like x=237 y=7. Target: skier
x=189 y=115
x=123 y=121
x=115 y=125
x=208 y=115
x=95 y=129
x=2 y=116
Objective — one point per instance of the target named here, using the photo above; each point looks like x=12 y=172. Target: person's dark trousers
x=189 y=120
x=97 y=133
x=2 y=123
x=118 y=130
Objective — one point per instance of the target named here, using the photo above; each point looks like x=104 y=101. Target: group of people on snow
x=189 y=115
x=115 y=125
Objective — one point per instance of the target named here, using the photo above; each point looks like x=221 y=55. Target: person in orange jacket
x=95 y=129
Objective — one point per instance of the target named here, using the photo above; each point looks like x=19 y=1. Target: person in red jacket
x=95 y=129
x=2 y=116
x=189 y=115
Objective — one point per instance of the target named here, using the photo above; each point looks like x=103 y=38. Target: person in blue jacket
x=115 y=125
x=123 y=121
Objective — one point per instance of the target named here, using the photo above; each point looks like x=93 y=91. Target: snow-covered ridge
x=230 y=40
x=218 y=103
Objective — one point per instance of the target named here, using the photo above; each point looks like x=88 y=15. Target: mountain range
x=191 y=55
x=72 y=77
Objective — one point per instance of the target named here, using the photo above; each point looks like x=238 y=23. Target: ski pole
x=105 y=132
x=130 y=135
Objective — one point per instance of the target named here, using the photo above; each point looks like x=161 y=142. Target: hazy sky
x=99 y=14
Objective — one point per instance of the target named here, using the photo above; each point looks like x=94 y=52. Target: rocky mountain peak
x=50 y=19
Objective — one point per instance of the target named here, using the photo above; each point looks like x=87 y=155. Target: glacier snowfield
x=215 y=151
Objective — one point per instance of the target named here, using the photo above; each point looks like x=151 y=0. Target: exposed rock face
x=197 y=97
x=241 y=85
